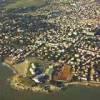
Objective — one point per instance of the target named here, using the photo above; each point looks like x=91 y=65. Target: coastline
x=9 y=66
x=87 y=84
x=17 y=85
x=21 y=86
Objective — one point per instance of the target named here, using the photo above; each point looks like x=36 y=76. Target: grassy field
x=25 y=3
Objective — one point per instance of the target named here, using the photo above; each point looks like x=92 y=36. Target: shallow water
x=71 y=93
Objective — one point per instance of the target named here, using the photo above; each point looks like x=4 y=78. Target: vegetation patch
x=25 y=3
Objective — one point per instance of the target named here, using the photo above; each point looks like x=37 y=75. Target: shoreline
x=15 y=83
x=87 y=84
x=23 y=87
x=37 y=89
x=11 y=68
